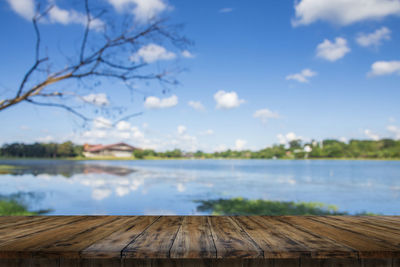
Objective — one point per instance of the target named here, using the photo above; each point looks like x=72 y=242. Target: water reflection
x=66 y=168
x=172 y=187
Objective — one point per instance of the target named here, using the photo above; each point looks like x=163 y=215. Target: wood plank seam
x=313 y=234
x=178 y=240
x=97 y=226
x=344 y=245
x=250 y=238
x=359 y=253
x=212 y=237
x=67 y=239
x=141 y=234
x=349 y=230
x=172 y=244
x=44 y=230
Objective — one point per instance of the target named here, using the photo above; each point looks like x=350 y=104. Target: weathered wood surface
x=200 y=241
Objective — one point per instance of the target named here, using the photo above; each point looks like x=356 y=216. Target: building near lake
x=119 y=150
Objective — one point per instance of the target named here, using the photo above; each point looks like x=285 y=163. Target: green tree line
x=296 y=149
x=41 y=150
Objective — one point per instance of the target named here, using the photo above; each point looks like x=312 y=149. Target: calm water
x=172 y=186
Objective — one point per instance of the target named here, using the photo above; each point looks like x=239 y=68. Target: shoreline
x=155 y=158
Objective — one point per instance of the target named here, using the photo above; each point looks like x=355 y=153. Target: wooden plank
x=37 y=226
x=111 y=246
x=9 y=221
x=231 y=241
x=35 y=243
x=71 y=246
x=156 y=241
x=370 y=222
x=365 y=247
x=371 y=231
x=194 y=239
x=385 y=220
x=317 y=246
x=200 y=241
x=23 y=223
x=272 y=242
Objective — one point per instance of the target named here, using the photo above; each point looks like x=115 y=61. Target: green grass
x=241 y=206
x=13 y=207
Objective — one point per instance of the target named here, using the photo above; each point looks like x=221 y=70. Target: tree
x=295 y=144
x=105 y=52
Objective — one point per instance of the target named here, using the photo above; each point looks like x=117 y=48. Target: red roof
x=94 y=148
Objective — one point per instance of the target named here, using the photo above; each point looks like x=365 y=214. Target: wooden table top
x=200 y=237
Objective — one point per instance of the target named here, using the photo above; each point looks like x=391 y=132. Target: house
x=119 y=150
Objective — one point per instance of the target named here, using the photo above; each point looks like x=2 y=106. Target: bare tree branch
x=102 y=55
x=67 y=108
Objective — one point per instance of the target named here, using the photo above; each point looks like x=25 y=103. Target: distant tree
x=142 y=153
x=295 y=144
x=105 y=52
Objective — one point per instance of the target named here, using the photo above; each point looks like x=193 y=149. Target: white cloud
x=375 y=38
x=265 y=114
x=291 y=136
x=101 y=123
x=371 y=135
x=100 y=193
x=123 y=126
x=197 y=105
x=97 y=99
x=343 y=12
x=102 y=131
x=333 y=51
x=122 y=191
x=226 y=10
x=181 y=129
x=151 y=53
x=24 y=8
x=284 y=139
x=63 y=16
x=394 y=130
x=302 y=77
x=143 y=10
x=227 y=100
x=385 y=68
x=153 y=102
x=187 y=54
x=240 y=144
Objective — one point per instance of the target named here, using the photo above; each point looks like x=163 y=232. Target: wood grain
x=156 y=241
x=194 y=239
x=318 y=246
x=363 y=245
x=200 y=241
x=111 y=246
x=231 y=241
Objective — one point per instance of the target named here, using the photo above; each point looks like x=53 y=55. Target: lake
x=174 y=186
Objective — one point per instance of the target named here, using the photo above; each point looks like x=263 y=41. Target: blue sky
x=259 y=73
